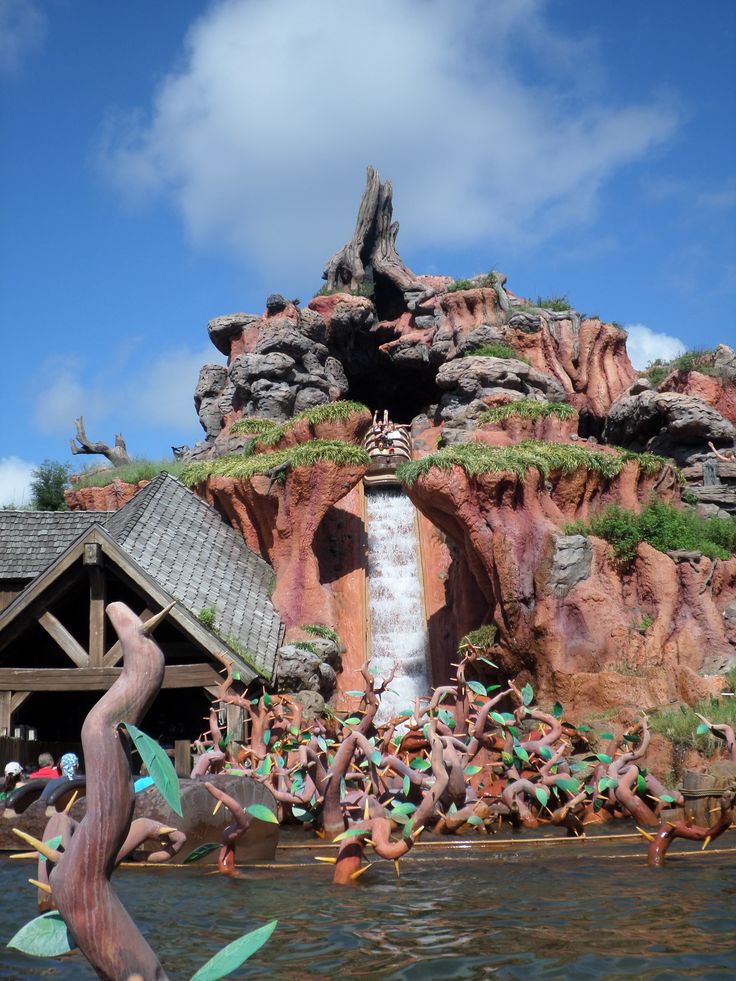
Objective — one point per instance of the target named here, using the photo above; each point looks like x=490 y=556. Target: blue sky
x=166 y=163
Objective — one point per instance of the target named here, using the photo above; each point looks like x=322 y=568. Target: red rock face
x=108 y=498
x=586 y=643
x=281 y=524
x=718 y=392
x=517 y=428
x=591 y=364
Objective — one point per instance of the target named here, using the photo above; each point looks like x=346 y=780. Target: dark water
x=582 y=911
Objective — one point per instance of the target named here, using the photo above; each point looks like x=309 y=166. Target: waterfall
x=398 y=628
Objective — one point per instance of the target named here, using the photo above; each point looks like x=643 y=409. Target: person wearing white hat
x=13 y=778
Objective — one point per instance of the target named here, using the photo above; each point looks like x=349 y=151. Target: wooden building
x=58 y=570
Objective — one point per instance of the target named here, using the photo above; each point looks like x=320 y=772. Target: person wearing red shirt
x=46 y=768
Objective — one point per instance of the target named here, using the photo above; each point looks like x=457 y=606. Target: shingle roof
x=185 y=546
x=178 y=540
x=31 y=540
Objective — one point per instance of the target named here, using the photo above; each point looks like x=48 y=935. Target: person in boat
x=727 y=456
x=69 y=766
x=13 y=779
x=46 y=768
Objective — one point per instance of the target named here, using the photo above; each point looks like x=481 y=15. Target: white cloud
x=152 y=393
x=645 y=345
x=22 y=31
x=262 y=135
x=15 y=480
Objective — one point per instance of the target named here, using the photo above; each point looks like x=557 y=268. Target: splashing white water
x=399 y=635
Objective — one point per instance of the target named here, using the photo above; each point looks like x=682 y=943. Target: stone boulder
x=718 y=392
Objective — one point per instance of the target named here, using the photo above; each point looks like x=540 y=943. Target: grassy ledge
x=476 y=459
x=527 y=409
x=664 y=526
x=700 y=360
x=680 y=725
x=130 y=473
x=270 y=432
x=241 y=467
x=496 y=350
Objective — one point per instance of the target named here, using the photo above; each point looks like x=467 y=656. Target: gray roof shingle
x=181 y=542
x=31 y=540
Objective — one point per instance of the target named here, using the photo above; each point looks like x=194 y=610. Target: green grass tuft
x=254 y=426
x=480 y=282
x=476 y=459
x=663 y=526
x=241 y=467
x=496 y=350
x=557 y=304
x=482 y=637
x=527 y=409
x=206 y=617
x=320 y=630
x=362 y=289
x=131 y=473
x=680 y=725
x=273 y=432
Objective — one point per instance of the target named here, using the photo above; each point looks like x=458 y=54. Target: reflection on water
x=569 y=912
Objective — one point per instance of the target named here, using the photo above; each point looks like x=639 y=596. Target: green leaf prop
x=399 y=817
x=702 y=729
x=472 y=770
x=231 y=957
x=606 y=735
x=641 y=784
x=477 y=688
x=351 y=833
x=406 y=786
x=475 y=820
x=603 y=757
x=201 y=851
x=262 y=813
x=490 y=688
x=159 y=766
x=667 y=798
x=52 y=843
x=46 y=936
x=542 y=795
x=322 y=744
x=497 y=717
x=376 y=757
x=568 y=784
x=352 y=721
x=507 y=758
x=545 y=752
x=266 y=737
x=527 y=694
x=521 y=753
x=300 y=814
x=404 y=807
x=355 y=694
x=489 y=662
x=419 y=764
x=557 y=710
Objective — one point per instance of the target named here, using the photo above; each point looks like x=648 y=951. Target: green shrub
x=495 y=350
x=663 y=526
x=481 y=637
x=206 y=617
x=479 y=282
x=527 y=409
x=305 y=645
x=699 y=360
x=241 y=467
x=555 y=303
x=131 y=473
x=476 y=459
x=48 y=482
x=366 y=288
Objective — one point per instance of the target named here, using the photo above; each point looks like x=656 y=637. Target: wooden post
x=96 y=616
x=5 y=713
x=234 y=716
x=182 y=757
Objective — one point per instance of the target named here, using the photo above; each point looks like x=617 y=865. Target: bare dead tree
x=117 y=454
x=372 y=248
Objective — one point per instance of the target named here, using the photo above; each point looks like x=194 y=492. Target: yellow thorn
x=645 y=833
x=705 y=843
x=396 y=866
x=40 y=846
x=357 y=875
x=150 y=625
x=40 y=885
x=218 y=805
x=24 y=855
x=71 y=802
x=415 y=834
x=167 y=831
x=325 y=858
x=366 y=810
x=671 y=824
x=320 y=834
